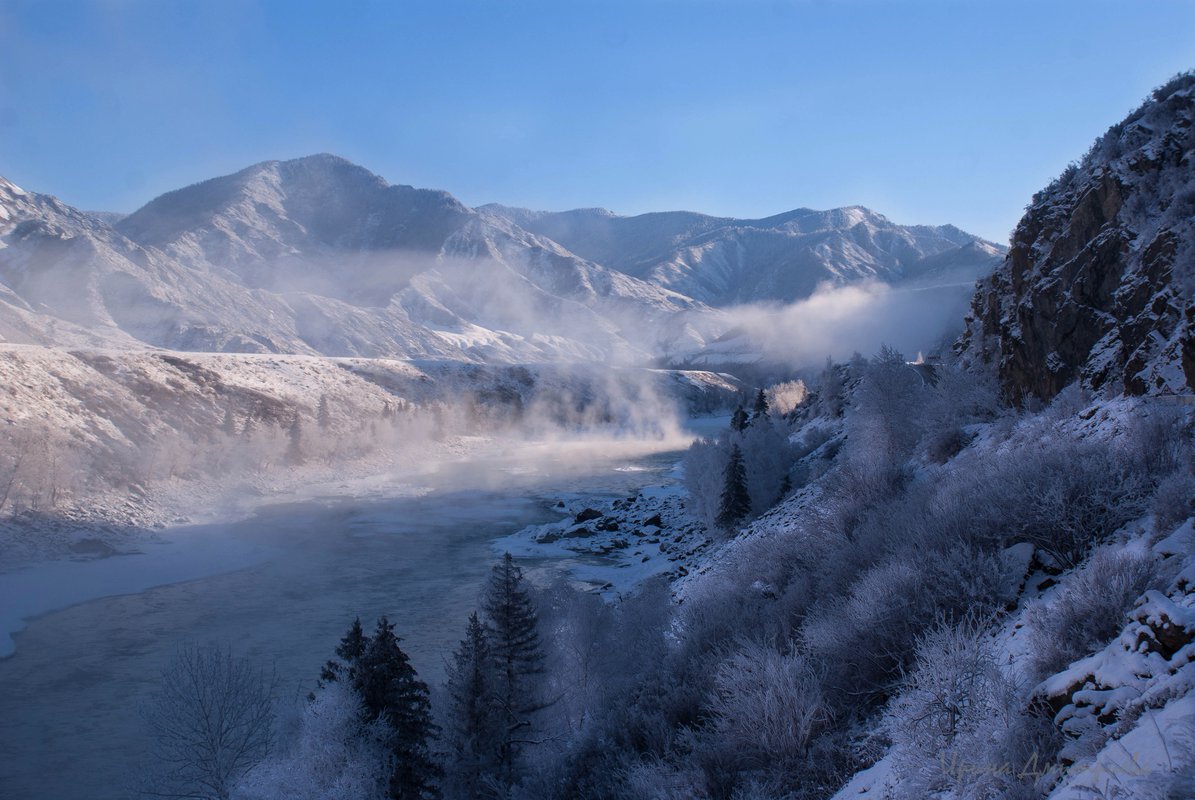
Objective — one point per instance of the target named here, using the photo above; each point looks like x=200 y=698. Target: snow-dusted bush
x=767 y=705
x=1174 y=499
x=957 y=723
x=786 y=396
x=886 y=421
x=767 y=457
x=704 y=466
x=1088 y=610
x=1074 y=494
x=335 y=757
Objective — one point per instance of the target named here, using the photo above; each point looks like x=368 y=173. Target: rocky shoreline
x=617 y=545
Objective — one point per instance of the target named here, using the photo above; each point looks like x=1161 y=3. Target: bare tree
x=212 y=720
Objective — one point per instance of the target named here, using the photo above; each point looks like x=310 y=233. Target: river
x=301 y=571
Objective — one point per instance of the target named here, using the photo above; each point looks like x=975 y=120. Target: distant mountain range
x=320 y=256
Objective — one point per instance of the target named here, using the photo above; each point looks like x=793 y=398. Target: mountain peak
x=273 y=208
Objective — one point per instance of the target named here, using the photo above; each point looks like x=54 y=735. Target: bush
x=943 y=444
x=1088 y=611
x=957 y=725
x=767 y=705
x=1073 y=496
x=1174 y=500
x=336 y=756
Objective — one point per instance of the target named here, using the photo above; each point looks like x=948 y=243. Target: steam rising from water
x=839 y=321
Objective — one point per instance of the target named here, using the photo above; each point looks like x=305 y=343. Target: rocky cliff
x=1098 y=283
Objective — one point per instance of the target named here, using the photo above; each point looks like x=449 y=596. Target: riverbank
x=617 y=545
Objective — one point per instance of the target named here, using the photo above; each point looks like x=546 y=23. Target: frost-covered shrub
x=1159 y=443
x=656 y=779
x=956 y=399
x=885 y=421
x=704 y=467
x=1088 y=610
x=336 y=756
x=767 y=705
x=957 y=723
x=1072 y=496
x=786 y=396
x=767 y=456
x=864 y=636
x=1174 y=500
x=943 y=444
x=950 y=690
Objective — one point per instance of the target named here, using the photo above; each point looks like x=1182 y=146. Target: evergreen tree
x=352 y=646
x=736 y=502
x=230 y=424
x=761 y=406
x=324 y=414
x=517 y=661
x=739 y=420
x=391 y=690
x=294 y=449
x=473 y=731
x=785 y=487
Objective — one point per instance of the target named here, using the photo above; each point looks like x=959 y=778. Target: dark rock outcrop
x=1097 y=286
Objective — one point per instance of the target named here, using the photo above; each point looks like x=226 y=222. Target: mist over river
x=298 y=573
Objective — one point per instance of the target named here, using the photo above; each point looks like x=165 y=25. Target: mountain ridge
x=320 y=255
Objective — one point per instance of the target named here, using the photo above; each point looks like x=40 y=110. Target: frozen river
x=300 y=572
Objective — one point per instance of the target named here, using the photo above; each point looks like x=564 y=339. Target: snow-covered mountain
x=723 y=261
x=317 y=255
x=1100 y=282
x=320 y=256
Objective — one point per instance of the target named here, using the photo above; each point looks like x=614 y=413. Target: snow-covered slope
x=723 y=261
x=1100 y=282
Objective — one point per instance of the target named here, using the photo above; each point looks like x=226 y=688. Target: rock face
x=1098 y=284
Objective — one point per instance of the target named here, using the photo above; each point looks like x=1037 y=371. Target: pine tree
x=761 y=406
x=473 y=731
x=517 y=661
x=230 y=424
x=294 y=449
x=736 y=502
x=352 y=646
x=324 y=414
x=785 y=487
x=391 y=690
x=739 y=420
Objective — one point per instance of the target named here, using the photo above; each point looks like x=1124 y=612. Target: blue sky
x=929 y=112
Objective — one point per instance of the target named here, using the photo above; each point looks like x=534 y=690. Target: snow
x=1157 y=747
x=873 y=783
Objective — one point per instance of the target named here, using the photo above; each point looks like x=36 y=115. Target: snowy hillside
x=83 y=424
